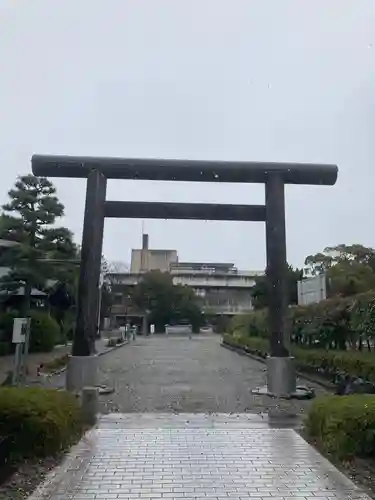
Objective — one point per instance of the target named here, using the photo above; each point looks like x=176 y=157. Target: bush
x=328 y=364
x=344 y=426
x=255 y=345
x=45 y=331
x=337 y=323
x=41 y=422
x=253 y=324
x=326 y=338
x=222 y=324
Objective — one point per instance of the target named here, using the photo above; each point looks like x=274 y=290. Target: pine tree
x=28 y=220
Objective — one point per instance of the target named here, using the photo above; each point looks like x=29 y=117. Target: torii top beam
x=183 y=170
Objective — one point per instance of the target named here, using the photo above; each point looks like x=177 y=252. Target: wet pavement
x=176 y=374
x=194 y=456
x=182 y=424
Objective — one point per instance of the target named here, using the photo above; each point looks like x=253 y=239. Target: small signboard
x=20 y=329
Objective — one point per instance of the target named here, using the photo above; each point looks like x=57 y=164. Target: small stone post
x=90 y=404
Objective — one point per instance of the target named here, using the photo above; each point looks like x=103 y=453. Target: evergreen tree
x=28 y=220
x=165 y=301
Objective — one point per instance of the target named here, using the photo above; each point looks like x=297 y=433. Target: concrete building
x=222 y=289
x=146 y=259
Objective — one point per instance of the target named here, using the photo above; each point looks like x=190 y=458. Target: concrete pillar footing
x=90 y=404
x=82 y=371
x=281 y=376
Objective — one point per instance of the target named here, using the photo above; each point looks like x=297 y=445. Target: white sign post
x=20 y=337
x=19 y=330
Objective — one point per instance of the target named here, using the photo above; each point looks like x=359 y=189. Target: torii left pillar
x=82 y=365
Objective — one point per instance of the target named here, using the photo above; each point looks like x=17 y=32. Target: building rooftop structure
x=221 y=287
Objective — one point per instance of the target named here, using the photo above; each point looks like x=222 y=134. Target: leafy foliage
x=318 y=264
x=336 y=323
x=44 y=333
x=166 y=302
x=41 y=422
x=344 y=425
x=329 y=364
x=350 y=269
x=27 y=220
x=260 y=291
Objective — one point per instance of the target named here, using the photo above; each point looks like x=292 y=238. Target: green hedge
x=45 y=332
x=328 y=364
x=344 y=426
x=337 y=323
x=333 y=337
x=256 y=345
x=40 y=421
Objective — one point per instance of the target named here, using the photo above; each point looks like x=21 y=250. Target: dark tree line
x=166 y=302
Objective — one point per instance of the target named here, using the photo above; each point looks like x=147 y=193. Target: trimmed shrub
x=344 y=426
x=44 y=335
x=328 y=364
x=337 y=323
x=250 y=344
x=45 y=332
x=253 y=324
x=41 y=422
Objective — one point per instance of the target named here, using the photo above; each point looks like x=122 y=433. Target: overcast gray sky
x=278 y=80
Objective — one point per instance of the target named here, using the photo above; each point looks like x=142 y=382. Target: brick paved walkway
x=200 y=456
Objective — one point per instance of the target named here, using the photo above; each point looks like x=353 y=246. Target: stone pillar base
x=82 y=371
x=281 y=376
x=90 y=404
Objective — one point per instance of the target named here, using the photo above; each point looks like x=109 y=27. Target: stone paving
x=163 y=374
x=194 y=456
x=182 y=424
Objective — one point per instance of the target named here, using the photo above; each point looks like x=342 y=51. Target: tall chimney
x=144 y=252
x=144 y=241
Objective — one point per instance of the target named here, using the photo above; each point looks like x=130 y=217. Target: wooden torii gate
x=81 y=370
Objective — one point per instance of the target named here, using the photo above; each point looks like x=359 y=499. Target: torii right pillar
x=281 y=374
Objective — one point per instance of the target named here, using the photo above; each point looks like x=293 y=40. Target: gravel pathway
x=176 y=374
